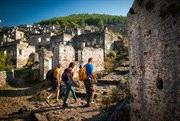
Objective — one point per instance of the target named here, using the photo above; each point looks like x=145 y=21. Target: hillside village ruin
x=153 y=28
x=47 y=49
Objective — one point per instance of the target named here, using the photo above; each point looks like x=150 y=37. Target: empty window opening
x=20 y=51
x=159 y=83
x=76 y=56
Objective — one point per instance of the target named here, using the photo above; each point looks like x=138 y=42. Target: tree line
x=81 y=20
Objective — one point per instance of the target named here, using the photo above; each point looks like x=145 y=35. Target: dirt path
x=20 y=108
x=29 y=104
x=15 y=105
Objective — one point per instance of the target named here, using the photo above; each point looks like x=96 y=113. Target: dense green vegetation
x=81 y=20
x=4 y=62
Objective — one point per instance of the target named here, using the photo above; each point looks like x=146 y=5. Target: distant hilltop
x=82 y=20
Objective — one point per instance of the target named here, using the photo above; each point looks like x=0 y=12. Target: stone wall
x=66 y=54
x=3 y=77
x=103 y=39
x=19 y=34
x=93 y=39
x=63 y=54
x=109 y=39
x=39 y=39
x=154 y=53
x=98 y=57
x=23 y=52
x=45 y=62
x=6 y=76
x=10 y=49
x=18 y=51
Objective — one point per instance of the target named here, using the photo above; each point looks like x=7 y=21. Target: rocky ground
x=28 y=103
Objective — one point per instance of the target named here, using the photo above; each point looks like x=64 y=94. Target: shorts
x=54 y=85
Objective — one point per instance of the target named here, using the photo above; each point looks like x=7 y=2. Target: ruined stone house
x=14 y=34
x=66 y=53
x=154 y=53
x=40 y=40
x=18 y=52
x=100 y=39
x=63 y=51
x=66 y=48
x=62 y=38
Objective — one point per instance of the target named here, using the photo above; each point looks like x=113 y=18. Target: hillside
x=80 y=20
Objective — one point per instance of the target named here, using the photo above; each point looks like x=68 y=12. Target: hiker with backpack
x=67 y=78
x=88 y=77
x=54 y=76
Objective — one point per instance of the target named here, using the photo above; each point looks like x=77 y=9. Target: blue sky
x=15 y=12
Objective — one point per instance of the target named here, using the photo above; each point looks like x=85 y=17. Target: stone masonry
x=154 y=52
x=18 y=51
x=3 y=77
x=24 y=50
x=102 y=39
x=98 y=57
x=63 y=54
x=45 y=62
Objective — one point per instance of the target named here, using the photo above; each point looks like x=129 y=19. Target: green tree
x=4 y=62
x=3 y=58
x=80 y=20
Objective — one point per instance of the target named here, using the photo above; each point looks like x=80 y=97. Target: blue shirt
x=89 y=70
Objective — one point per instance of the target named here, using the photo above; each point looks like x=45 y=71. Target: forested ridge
x=81 y=20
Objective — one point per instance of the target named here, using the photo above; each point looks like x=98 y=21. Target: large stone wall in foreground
x=154 y=52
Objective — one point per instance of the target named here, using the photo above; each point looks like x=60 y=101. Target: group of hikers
x=63 y=82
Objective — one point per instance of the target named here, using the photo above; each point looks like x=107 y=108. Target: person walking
x=88 y=82
x=67 y=78
x=55 y=81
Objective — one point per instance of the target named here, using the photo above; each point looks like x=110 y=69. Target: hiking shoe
x=65 y=105
x=92 y=102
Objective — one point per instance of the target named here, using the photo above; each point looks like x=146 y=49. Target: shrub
x=4 y=66
x=112 y=54
x=106 y=101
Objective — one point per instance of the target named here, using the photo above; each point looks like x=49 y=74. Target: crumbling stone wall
x=63 y=54
x=109 y=39
x=18 y=51
x=93 y=39
x=98 y=57
x=3 y=78
x=6 y=76
x=66 y=53
x=103 y=39
x=10 y=49
x=45 y=62
x=19 y=34
x=154 y=53
x=39 y=39
x=23 y=52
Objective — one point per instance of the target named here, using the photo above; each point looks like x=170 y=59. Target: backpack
x=83 y=74
x=49 y=75
x=64 y=76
